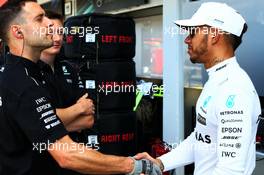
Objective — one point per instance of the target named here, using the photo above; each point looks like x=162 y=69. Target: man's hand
x=146 y=167
x=78 y=116
x=85 y=105
x=145 y=155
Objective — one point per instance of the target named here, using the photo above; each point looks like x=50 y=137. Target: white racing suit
x=227 y=111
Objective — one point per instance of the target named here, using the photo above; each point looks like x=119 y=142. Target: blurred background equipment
x=102 y=48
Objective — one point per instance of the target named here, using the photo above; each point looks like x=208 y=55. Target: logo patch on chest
x=230 y=101
x=206 y=101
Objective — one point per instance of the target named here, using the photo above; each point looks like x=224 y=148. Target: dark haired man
x=61 y=80
x=28 y=121
x=227 y=110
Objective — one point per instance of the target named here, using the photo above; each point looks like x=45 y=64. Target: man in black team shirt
x=61 y=81
x=28 y=121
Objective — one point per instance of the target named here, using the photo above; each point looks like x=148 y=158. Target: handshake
x=146 y=165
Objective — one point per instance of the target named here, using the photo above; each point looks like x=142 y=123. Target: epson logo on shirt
x=43 y=107
x=231 y=130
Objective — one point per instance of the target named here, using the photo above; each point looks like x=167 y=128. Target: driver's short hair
x=234 y=40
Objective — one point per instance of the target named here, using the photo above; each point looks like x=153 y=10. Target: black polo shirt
x=65 y=88
x=63 y=84
x=27 y=118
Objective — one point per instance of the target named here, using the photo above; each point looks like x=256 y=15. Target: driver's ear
x=214 y=35
x=17 y=32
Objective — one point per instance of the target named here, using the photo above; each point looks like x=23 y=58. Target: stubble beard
x=200 y=51
x=41 y=43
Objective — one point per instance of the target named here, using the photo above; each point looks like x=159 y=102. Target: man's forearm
x=84 y=160
x=68 y=115
x=96 y=163
x=81 y=122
